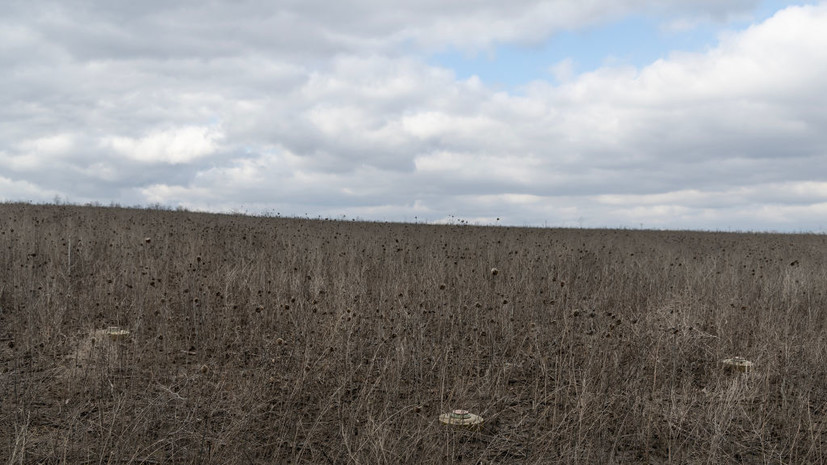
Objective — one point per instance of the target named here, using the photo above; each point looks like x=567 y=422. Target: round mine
x=737 y=364
x=460 y=417
x=117 y=334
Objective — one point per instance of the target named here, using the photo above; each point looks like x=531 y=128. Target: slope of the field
x=265 y=340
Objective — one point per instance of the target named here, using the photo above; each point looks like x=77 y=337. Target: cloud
x=173 y=146
x=98 y=30
x=563 y=71
x=331 y=108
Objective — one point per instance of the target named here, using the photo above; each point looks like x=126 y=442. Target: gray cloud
x=90 y=29
x=329 y=109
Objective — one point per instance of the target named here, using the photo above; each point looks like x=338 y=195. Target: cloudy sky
x=699 y=114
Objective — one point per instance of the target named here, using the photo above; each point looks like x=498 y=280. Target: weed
x=275 y=340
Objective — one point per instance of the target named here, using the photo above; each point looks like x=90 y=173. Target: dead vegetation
x=266 y=340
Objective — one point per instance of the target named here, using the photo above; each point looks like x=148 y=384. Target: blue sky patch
x=635 y=40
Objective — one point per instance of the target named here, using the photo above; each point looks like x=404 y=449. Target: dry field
x=266 y=340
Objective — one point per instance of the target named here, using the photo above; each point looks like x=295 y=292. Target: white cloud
x=781 y=194
x=173 y=146
x=39 y=153
x=563 y=71
x=13 y=190
x=679 y=25
x=177 y=195
x=50 y=145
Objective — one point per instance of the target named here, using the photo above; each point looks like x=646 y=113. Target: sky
x=688 y=114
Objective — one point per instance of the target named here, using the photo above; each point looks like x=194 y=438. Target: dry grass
x=262 y=340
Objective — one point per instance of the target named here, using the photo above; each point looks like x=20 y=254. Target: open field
x=265 y=340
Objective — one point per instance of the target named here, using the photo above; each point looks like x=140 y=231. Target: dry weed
x=276 y=340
